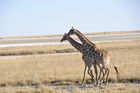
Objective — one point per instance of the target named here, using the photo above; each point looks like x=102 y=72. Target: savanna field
x=59 y=69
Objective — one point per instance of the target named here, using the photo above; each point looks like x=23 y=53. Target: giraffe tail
x=115 y=68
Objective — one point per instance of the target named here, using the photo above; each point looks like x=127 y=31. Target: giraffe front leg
x=92 y=76
x=96 y=72
x=84 y=75
x=90 y=73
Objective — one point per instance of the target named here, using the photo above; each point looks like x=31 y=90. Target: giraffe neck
x=83 y=39
x=75 y=44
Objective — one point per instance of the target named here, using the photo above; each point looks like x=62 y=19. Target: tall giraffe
x=80 y=48
x=94 y=54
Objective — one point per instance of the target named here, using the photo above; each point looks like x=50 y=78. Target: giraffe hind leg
x=103 y=78
x=107 y=75
x=101 y=71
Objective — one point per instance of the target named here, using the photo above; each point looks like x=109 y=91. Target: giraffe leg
x=96 y=72
x=90 y=73
x=84 y=74
x=103 y=74
x=101 y=70
x=92 y=76
x=107 y=75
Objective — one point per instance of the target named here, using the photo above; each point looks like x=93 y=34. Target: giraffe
x=81 y=49
x=100 y=57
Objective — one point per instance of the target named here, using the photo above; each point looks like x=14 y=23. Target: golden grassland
x=66 y=68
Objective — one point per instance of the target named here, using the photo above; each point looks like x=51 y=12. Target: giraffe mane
x=84 y=37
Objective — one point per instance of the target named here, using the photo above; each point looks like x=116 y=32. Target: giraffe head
x=64 y=37
x=72 y=30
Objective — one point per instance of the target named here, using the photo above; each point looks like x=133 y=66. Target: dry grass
x=30 y=90
x=33 y=50
x=60 y=48
x=67 y=69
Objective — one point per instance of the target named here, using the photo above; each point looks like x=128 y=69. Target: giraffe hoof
x=100 y=83
x=104 y=82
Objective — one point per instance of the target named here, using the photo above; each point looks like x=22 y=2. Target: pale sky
x=44 y=17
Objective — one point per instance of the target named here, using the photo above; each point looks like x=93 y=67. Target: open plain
x=58 y=68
